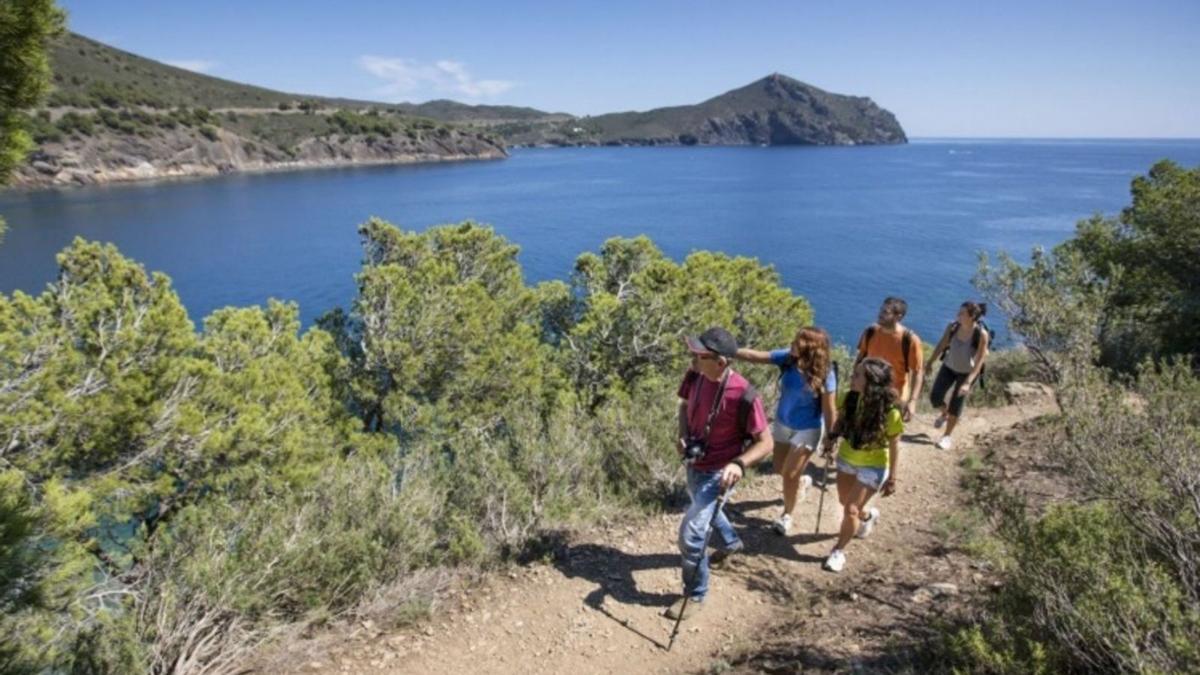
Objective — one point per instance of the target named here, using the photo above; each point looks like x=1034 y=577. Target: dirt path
x=598 y=608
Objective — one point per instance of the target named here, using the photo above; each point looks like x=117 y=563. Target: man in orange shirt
x=889 y=340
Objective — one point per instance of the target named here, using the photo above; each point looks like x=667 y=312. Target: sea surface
x=844 y=226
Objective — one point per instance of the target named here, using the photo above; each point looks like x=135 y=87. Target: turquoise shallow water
x=844 y=226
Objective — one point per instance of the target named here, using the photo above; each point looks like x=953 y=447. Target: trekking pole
x=824 y=488
x=703 y=552
x=828 y=458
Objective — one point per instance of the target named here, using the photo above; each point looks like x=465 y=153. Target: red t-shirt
x=725 y=440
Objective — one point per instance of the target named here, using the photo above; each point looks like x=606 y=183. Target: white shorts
x=797 y=438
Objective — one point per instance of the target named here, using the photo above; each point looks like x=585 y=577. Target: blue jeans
x=704 y=487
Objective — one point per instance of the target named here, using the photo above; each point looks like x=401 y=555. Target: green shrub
x=1084 y=593
x=347 y=122
x=76 y=123
x=174 y=497
x=1112 y=585
x=209 y=132
x=1151 y=251
x=230 y=570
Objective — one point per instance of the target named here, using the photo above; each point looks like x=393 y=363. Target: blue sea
x=844 y=226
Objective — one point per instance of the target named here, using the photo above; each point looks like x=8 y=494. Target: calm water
x=844 y=226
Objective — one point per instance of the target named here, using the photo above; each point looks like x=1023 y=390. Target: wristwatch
x=740 y=465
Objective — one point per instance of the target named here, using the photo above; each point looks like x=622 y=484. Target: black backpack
x=976 y=338
x=905 y=345
x=745 y=407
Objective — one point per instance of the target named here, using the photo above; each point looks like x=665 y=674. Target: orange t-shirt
x=890 y=348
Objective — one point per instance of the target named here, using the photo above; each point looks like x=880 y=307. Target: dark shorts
x=948 y=382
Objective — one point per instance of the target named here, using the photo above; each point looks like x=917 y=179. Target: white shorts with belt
x=797 y=438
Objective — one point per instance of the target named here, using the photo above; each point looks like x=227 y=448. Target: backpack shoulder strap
x=906 y=346
x=865 y=340
x=947 y=337
x=976 y=336
x=745 y=408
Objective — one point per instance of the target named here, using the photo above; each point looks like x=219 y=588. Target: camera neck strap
x=716 y=404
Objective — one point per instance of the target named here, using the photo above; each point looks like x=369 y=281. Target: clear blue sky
x=1071 y=68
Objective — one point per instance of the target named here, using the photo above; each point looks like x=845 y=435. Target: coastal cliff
x=207 y=151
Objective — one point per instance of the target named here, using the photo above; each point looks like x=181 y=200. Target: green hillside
x=115 y=116
x=90 y=74
x=453 y=111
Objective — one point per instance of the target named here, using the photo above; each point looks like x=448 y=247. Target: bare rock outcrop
x=184 y=152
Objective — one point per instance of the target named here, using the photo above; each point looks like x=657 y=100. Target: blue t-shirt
x=798 y=405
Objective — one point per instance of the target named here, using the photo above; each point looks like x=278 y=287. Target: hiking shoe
x=836 y=561
x=782 y=525
x=693 y=607
x=805 y=483
x=940 y=421
x=946 y=443
x=867 y=524
x=722 y=555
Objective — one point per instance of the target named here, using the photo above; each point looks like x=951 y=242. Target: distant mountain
x=776 y=110
x=116 y=116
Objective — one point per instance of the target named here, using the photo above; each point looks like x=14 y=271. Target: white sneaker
x=946 y=443
x=805 y=483
x=867 y=524
x=836 y=561
x=782 y=525
x=939 y=422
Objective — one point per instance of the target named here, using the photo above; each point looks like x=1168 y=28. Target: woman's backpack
x=976 y=338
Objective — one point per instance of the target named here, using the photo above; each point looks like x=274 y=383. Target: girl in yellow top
x=868 y=455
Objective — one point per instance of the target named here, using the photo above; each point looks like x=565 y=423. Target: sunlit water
x=844 y=226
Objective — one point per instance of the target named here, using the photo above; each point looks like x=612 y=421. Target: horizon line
x=1052 y=138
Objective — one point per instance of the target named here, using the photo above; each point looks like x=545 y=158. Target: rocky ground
x=596 y=604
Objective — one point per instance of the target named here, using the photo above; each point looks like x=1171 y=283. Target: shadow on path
x=921 y=438
x=611 y=569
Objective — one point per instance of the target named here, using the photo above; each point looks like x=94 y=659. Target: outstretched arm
x=753 y=355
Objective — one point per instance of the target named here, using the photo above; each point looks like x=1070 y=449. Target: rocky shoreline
x=188 y=153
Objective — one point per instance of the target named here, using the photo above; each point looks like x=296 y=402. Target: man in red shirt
x=720 y=412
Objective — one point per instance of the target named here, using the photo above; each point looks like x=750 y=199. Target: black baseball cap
x=716 y=340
